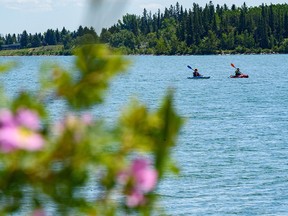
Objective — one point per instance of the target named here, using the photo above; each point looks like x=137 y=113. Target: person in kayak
x=237 y=72
x=196 y=73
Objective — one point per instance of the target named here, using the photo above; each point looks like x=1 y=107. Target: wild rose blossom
x=135 y=198
x=28 y=119
x=6 y=118
x=39 y=212
x=19 y=131
x=144 y=179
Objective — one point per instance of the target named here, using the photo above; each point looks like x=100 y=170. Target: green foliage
x=85 y=87
x=205 y=30
x=7 y=66
x=177 y=31
x=161 y=47
x=80 y=150
x=50 y=38
x=85 y=39
x=67 y=42
x=284 y=46
x=24 y=40
x=105 y=36
x=123 y=38
x=209 y=44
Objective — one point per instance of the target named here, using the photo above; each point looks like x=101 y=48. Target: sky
x=37 y=16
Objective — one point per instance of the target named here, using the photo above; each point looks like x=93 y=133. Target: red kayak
x=240 y=76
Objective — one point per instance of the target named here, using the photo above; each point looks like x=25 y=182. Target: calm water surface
x=233 y=149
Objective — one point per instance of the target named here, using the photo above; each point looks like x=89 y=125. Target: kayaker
x=237 y=72
x=196 y=73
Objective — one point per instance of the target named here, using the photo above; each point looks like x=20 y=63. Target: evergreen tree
x=285 y=25
x=80 y=31
x=50 y=37
x=67 y=41
x=1 y=42
x=144 y=26
x=36 y=41
x=8 y=39
x=105 y=36
x=263 y=28
x=57 y=36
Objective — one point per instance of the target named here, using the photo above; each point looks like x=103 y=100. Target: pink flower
x=6 y=118
x=135 y=199
x=87 y=119
x=12 y=138
x=28 y=119
x=38 y=212
x=145 y=177
x=144 y=180
x=19 y=131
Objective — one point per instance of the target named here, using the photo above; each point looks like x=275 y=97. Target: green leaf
x=7 y=66
x=96 y=66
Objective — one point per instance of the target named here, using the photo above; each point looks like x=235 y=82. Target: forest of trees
x=197 y=30
x=203 y=30
x=52 y=37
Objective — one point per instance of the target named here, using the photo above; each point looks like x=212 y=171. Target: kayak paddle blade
x=189 y=67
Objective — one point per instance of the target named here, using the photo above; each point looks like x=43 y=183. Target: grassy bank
x=44 y=50
x=59 y=50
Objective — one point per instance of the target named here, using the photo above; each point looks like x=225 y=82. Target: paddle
x=190 y=67
x=233 y=67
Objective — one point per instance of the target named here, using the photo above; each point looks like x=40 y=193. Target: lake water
x=233 y=148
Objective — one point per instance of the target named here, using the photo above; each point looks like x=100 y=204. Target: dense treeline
x=202 y=30
x=51 y=37
x=197 y=30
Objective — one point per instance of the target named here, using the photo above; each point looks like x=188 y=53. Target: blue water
x=233 y=148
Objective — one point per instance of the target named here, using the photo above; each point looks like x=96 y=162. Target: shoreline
x=58 y=50
x=55 y=50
